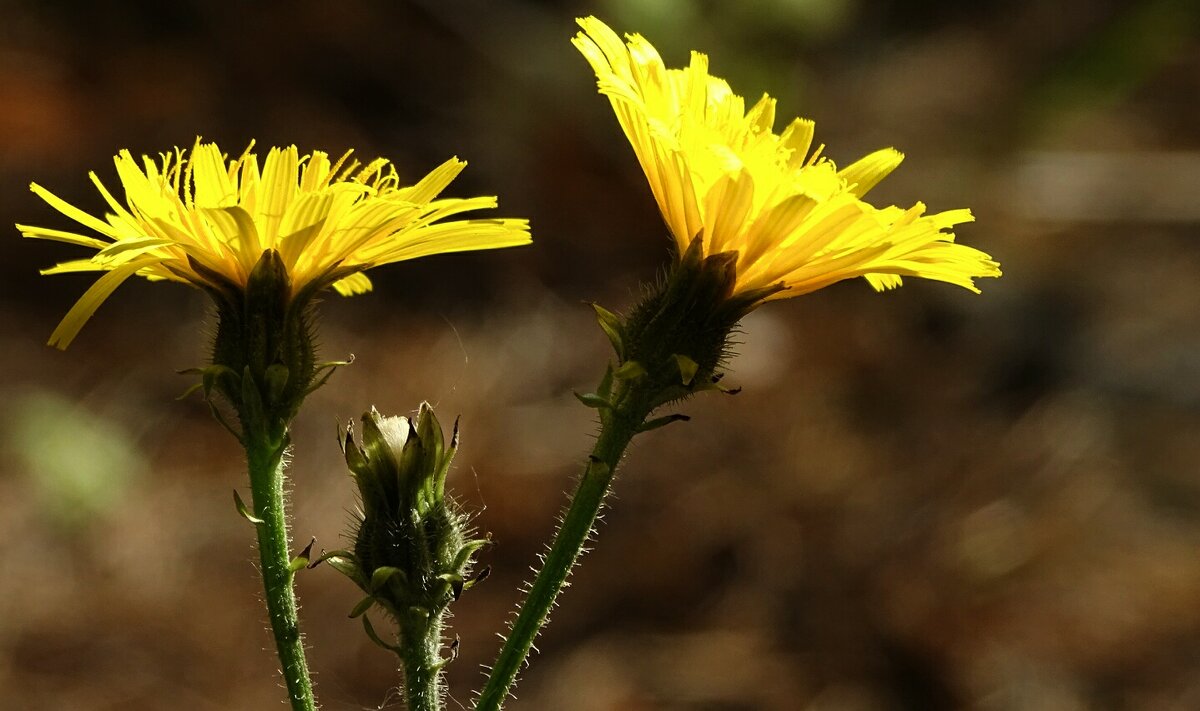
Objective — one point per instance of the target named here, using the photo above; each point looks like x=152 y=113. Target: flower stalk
x=671 y=346
x=630 y=407
x=265 y=457
x=420 y=654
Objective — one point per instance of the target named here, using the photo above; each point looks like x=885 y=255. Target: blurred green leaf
x=80 y=464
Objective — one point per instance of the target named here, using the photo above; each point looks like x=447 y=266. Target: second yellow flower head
x=718 y=171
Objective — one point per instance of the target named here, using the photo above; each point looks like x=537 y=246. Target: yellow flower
x=720 y=172
x=201 y=218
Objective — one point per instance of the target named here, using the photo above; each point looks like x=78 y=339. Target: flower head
x=719 y=172
x=204 y=220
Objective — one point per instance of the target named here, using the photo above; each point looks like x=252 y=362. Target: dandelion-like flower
x=719 y=172
x=201 y=219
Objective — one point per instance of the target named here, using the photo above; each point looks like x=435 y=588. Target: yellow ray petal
x=280 y=173
x=866 y=172
x=83 y=309
x=72 y=212
x=355 y=284
x=434 y=183
x=59 y=236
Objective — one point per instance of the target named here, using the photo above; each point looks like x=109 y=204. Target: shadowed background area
x=924 y=499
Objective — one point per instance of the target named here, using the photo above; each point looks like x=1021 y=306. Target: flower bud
x=412 y=547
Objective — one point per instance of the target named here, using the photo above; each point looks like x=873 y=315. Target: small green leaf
x=464 y=554
x=605 y=389
x=382 y=575
x=687 y=368
x=362 y=606
x=211 y=374
x=630 y=370
x=345 y=563
x=370 y=630
x=715 y=384
x=324 y=371
x=662 y=422
x=611 y=324
x=593 y=400
x=325 y=556
x=302 y=561
x=456 y=583
x=336 y=363
x=479 y=578
x=245 y=510
x=208 y=378
x=220 y=418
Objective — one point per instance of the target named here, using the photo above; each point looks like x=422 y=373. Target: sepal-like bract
x=264 y=351
x=677 y=338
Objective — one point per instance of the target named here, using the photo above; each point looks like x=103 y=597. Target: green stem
x=618 y=426
x=266 y=484
x=420 y=654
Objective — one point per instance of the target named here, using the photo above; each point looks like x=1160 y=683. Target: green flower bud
x=412 y=548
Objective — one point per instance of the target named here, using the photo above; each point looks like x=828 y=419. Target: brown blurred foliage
x=921 y=500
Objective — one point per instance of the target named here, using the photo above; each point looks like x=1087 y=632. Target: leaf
x=362 y=606
x=481 y=576
x=344 y=563
x=456 y=583
x=687 y=368
x=605 y=389
x=464 y=554
x=301 y=561
x=593 y=400
x=611 y=324
x=324 y=371
x=245 y=510
x=662 y=422
x=382 y=575
x=370 y=630
x=630 y=370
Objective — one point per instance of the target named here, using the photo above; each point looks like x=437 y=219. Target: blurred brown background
x=922 y=500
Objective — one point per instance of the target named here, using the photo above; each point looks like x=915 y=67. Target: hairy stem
x=266 y=484
x=420 y=654
x=618 y=426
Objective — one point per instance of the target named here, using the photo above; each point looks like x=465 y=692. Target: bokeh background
x=924 y=499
